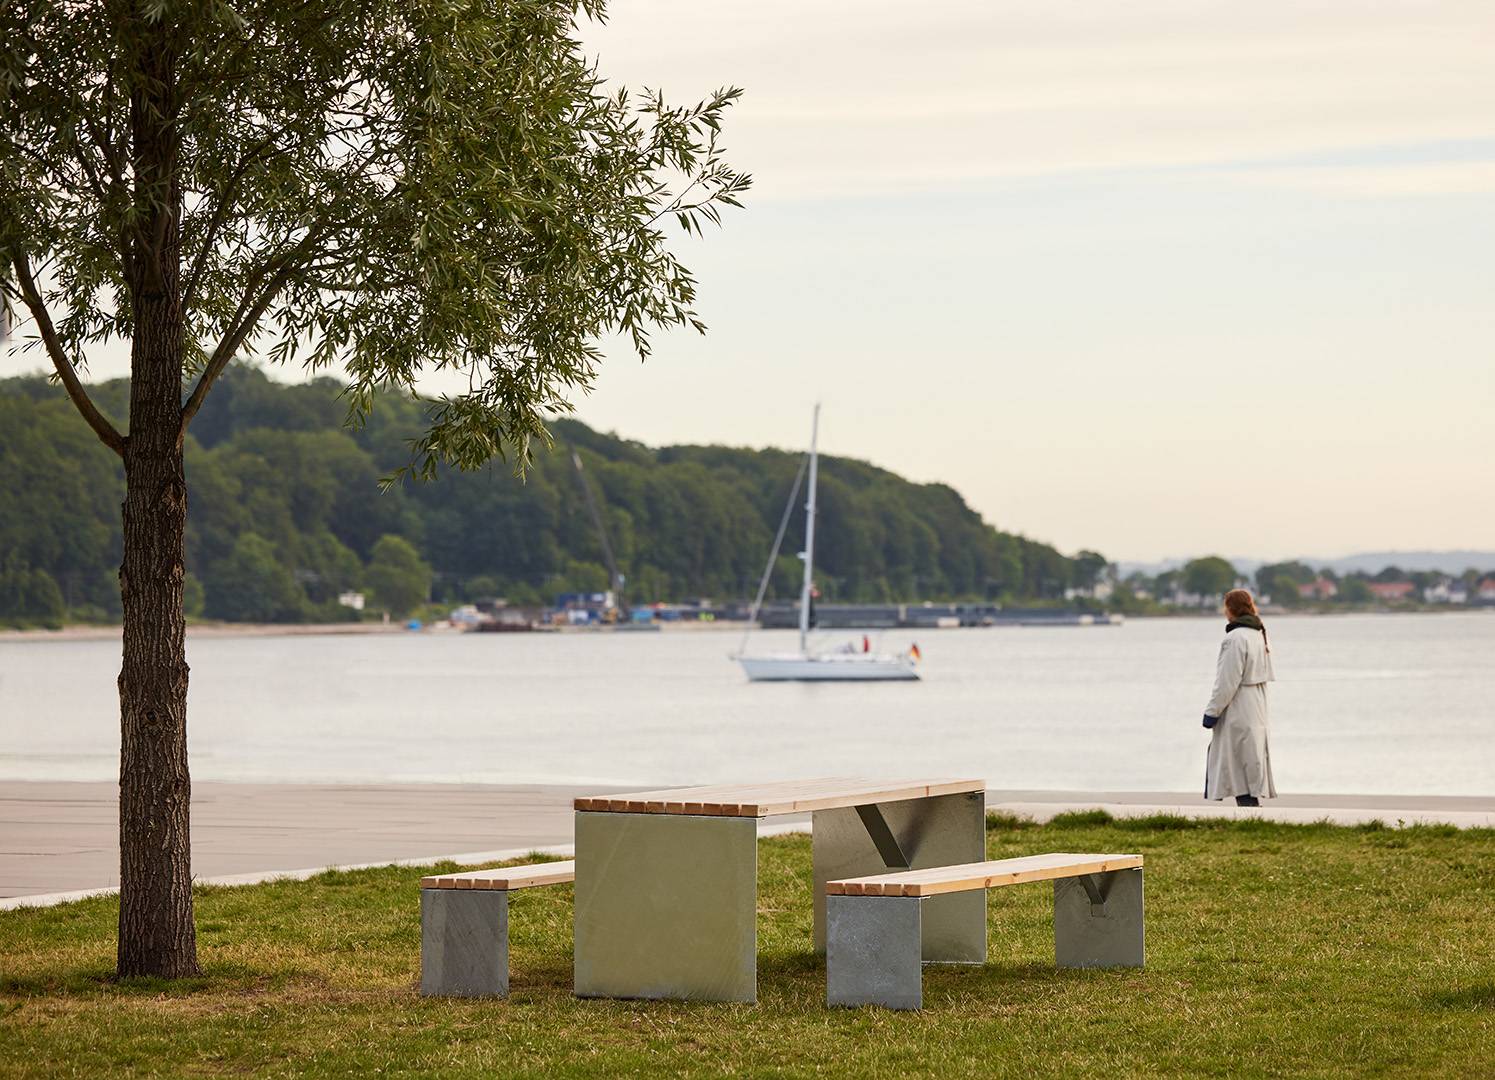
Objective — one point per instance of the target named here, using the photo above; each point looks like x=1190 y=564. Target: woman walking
x=1239 y=764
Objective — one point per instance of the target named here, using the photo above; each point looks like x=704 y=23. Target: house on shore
x=1318 y=589
x=1391 y=592
x=1446 y=591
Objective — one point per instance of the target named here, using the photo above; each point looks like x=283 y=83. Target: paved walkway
x=63 y=837
x=58 y=840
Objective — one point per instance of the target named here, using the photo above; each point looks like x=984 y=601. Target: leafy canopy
x=394 y=185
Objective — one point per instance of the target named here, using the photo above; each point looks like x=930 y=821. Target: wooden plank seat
x=506 y=878
x=464 y=927
x=874 y=932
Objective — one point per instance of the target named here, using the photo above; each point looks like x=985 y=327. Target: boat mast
x=809 y=555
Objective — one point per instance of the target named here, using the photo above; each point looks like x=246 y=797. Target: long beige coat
x=1239 y=762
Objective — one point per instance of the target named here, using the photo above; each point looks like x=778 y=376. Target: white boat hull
x=832 y=667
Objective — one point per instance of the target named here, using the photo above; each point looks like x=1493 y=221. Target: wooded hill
x=286 y=513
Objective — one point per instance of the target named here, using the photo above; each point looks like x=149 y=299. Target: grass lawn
x=1271 y=950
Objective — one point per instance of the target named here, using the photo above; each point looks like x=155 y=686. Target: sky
x=1155 y=278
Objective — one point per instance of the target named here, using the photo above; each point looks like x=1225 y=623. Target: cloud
x=1442 y=178
x=883 y=97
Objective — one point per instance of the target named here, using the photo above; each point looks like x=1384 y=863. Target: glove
x=1210 y=721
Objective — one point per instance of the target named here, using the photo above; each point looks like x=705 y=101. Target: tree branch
x=65 y=371
x=230 y=344
x=245 y=319
x=220 y=215
x=249 y=311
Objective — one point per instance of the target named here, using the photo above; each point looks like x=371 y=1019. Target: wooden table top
x=781 y=797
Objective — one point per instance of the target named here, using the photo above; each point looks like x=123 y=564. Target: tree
x=1209 y=576
x=1283 y=591
x=252 y=585
x=29 y=597
x=393 y=186
x=399 y=578
x=1089 y=567
x=1277 y=578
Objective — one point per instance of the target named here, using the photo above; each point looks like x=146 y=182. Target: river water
x=1388 y=704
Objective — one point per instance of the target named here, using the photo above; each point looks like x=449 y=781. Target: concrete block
x=464 y=942
x=873 y=951
x=1108 y=935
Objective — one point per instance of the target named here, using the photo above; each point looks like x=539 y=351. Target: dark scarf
x=1250 y=622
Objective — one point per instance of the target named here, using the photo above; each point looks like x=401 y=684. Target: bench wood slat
x=968 y=877
x=507 y=877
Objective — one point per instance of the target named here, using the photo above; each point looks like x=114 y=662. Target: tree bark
x=156 y=932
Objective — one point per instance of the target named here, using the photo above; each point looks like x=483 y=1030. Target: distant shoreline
x=95 y=632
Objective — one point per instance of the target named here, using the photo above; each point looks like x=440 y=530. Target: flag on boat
x=913 y=651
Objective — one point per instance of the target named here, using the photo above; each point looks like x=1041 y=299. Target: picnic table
x=667 y=881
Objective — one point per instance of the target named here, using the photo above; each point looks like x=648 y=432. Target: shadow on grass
x=1474 y=998
x=790 y=964
x=102 y=981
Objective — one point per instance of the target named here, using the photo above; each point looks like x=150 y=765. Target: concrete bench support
x=873 y=951
x=1099 y=935
x=464 y=927
x=464 y=943
x=875 y=926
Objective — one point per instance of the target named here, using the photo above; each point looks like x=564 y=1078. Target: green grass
x=1271 y=950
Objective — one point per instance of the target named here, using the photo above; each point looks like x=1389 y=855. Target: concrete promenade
x=58 y=840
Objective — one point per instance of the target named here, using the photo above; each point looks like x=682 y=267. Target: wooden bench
x=464 y=927
x=874 y=931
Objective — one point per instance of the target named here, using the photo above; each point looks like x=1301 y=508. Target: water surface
x=1401 y=704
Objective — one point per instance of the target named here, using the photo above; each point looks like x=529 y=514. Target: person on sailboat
x=1238 y=763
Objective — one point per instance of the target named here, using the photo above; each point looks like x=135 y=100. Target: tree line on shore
x=287 y=514
x=1289 y=584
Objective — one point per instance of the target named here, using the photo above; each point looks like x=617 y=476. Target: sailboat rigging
x=832 y=666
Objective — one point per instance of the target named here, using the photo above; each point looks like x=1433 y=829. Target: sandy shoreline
x=111 y=633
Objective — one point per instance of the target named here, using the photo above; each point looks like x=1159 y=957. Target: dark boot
x=1247 y=800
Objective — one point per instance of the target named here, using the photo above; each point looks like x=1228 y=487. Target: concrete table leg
x=666 y=906
x=1099 y=935
x=464 y=943
x=873 y=951
x=939 y=831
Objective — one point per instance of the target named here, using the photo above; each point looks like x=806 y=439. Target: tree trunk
x=156 y=932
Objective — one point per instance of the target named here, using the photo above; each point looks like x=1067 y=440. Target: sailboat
x=845 y=665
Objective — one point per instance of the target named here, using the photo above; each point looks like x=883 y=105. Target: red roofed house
x=1391 y=591
x=1320 y=589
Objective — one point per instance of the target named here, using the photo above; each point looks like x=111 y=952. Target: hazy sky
x=1154 y=278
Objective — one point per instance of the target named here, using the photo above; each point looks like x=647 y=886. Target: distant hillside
x=285 y=513
x=1370 y=562
x=1443 y=562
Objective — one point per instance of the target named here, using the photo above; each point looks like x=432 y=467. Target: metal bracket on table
x=882 y=837
x=1098 y=888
